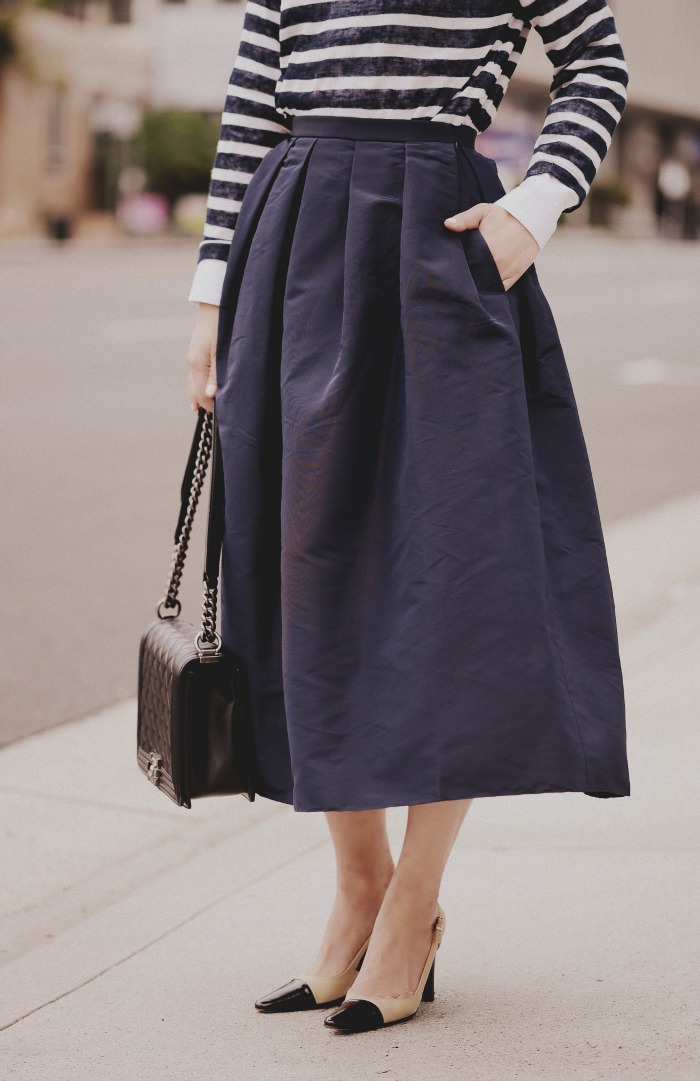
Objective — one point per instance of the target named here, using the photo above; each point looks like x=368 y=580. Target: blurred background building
x=93 y=91
x=102 y=101
x=650 y=179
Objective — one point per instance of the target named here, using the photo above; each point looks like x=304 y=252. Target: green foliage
x=615 y=192
x=50 y=5
x=177 y=148
x=606 y=194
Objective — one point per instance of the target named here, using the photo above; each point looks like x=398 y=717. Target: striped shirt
x=448 y=61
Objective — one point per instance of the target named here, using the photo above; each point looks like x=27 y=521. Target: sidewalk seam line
x=82 y=802
x=170 y=931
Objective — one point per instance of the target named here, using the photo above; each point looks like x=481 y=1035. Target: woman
x=413 y=568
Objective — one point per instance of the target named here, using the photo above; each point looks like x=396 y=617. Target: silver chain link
x=170 y=603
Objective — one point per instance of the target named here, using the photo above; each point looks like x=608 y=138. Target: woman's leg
x=364 y=866
x=402 y=933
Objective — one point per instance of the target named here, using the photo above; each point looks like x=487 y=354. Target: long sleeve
x=588 y=95
x=250 y=127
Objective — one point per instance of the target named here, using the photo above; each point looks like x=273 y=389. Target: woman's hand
x=201 y=358
x=512 y=245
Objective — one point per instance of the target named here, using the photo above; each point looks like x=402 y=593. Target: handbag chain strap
x=204 y=442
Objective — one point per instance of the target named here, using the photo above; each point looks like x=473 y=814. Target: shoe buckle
x=439 y=924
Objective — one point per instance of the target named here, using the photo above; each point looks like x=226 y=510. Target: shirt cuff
x=208 y=281
x=537 y=203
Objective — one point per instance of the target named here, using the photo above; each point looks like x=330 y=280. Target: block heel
x=360 y=1014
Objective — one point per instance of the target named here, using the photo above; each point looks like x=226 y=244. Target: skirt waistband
x=384 y=128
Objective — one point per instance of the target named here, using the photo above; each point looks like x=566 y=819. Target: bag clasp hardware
x=154 y=767
x=208 y=652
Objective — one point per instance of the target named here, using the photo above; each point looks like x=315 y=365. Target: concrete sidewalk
x=136 y=935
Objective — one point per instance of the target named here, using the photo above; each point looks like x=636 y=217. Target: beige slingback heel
x=360 y=1014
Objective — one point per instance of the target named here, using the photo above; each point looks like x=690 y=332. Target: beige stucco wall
x=75 y=62
x=661 y=45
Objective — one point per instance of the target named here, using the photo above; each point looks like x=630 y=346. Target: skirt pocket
x=478 y=254
x=481 y=262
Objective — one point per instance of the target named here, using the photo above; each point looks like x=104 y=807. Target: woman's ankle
x=413 y=897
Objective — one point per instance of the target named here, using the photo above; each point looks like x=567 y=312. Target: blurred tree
x=606 y=194
x=177 y=148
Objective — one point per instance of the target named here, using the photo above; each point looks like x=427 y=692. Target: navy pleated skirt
x=413 y=566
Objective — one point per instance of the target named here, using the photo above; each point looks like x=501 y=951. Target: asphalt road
x=96 y=428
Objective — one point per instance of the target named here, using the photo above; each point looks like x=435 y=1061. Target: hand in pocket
x=512 y=246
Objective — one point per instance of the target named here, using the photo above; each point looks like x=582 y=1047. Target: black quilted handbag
x=193 y=726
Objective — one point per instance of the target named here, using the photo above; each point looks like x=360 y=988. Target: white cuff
x=208 y=281
x=537 y=203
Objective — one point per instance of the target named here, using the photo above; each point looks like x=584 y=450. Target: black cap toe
x=295 y=995
x=355 y=1015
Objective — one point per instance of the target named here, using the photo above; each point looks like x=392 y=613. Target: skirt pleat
x=413 y=567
